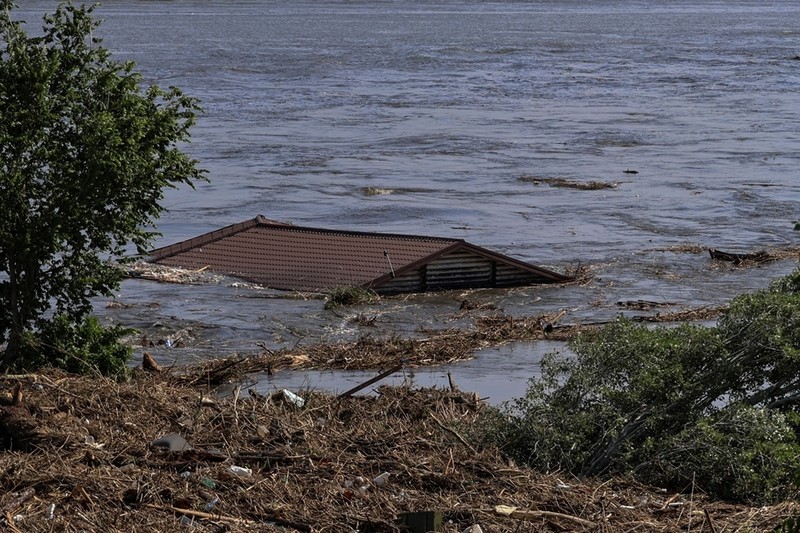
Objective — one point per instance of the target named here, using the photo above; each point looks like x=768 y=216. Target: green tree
x=86 y=151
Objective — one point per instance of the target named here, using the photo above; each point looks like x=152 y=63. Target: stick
x=710 y=521
x=453 y=386
x=210 y=516
x=370 y=382
x=454 y=433
x=525 y=515
x=20 y=376
x=201 y=514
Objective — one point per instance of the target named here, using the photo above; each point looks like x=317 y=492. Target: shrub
x=85 y=348
x=349 y=295
x=671 y=404
x=738 y=453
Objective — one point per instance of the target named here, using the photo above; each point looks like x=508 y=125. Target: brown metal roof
x=283 y=256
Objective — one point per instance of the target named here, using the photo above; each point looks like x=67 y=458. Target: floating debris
x=438 y=347
x=686 y=248
x=570 y=184
x=686 y=315
x=644 y=304
x=736 y=258
x=167 y=274
x=375 y=191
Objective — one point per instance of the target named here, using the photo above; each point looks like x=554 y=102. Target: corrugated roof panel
x=289 y=257
x=284 y=257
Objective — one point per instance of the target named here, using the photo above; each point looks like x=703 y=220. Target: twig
x=20 y=376
x=201 y=514
x=369 y=382
x=710 y=521
x=691 y=505
x=454 y=433
x=453 y=386
x=604 y=525
x=513 y=512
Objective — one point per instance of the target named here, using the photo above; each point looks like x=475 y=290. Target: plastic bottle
x=210 y=505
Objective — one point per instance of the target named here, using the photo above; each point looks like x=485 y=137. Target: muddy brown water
x=690 y=108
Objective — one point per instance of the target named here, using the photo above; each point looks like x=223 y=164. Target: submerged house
x=288 y=257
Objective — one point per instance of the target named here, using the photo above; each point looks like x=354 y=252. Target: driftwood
x=735 y=258
x=570 y=184
x=12 y=398
x=201 y=514
x=150 y=364
x=644 y=304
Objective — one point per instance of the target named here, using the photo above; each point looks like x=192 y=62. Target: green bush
x=738 y=453
x=85 y=348
x=349 y=295
x=626 y=384
x=671 y=404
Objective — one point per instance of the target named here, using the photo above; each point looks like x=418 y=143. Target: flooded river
x=690 y=108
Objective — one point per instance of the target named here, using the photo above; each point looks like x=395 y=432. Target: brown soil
x=77 y=456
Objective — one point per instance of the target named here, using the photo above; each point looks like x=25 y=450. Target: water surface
x=445 y=105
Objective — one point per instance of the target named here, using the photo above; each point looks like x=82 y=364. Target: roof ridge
x=265 y=222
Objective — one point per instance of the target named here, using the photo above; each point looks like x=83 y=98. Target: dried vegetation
x=78 y=457
x=436 y=347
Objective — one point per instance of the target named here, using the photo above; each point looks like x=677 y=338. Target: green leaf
x=85 y=154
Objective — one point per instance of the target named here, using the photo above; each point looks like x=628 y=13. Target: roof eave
x=554 y=277
x=204 y=239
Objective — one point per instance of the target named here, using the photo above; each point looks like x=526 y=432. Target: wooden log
x=758 y=257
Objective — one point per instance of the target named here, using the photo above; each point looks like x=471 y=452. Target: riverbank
x=80 y=454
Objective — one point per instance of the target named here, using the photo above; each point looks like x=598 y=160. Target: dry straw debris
x=436 y=347
x=77 y=456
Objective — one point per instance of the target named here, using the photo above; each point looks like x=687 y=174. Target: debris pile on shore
x=150 y=454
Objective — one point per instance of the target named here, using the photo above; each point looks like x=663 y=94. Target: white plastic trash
x=241 y=471
x=293 y=398
x=381 y=479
